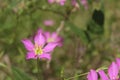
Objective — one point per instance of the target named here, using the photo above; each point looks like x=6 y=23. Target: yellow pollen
x=50 y=40
x=38 y=50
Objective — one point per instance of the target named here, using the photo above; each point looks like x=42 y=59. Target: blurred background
x=91 y=36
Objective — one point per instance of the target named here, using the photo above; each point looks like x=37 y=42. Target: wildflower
x=84 y=3
x=53 y=38
x=39 y=49
x=61 y=2
x=75 y=4
x=112 y=72
x=48 y=22
x=51 y=1
x=92 y=75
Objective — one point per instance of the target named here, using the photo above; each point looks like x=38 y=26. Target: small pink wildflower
x=61 y=2
x=39 y=49
x=48 y=22
x=84 y=3
x=53 y=38
x=75 y=4
x=51 y=1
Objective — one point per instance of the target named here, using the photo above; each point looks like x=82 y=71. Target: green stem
x=38 y=74
x=105 y=68
x=77 y=76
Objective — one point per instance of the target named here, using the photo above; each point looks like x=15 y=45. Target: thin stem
x=60 y=27
x=38 y=76
x=77 y=76
x=85 y=74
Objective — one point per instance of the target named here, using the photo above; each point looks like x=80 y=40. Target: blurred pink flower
x=48 y=22
x=73 y=2
x=61 y=2
x=118 y=62
x=84 y=3
x=51 y=1
x=53 y=38
x=113 y=71
x=92 y=75
x=39 y=49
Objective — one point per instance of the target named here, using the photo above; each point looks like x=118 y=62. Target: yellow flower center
x=50 y=40
x=38 y=50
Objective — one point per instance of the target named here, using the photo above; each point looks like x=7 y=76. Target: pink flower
x=53 y=38
x=48 y=22
x=112 y=72
x=74 y=2
x=118 y=62
x=92 y=75
x=39 y=49
x=84 y=3
x=51 y=1
x=61 y=2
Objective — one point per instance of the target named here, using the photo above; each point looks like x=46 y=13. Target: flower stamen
x=38 y=50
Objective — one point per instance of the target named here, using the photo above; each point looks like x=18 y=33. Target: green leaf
x=10 y=22
x=20 y=75
x=78 y=31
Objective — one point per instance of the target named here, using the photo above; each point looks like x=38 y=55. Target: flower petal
x=60 y=44
x=31 y=55
x=47 y=35
x=54 y=35
x=51 y=1
x=57 y=39
x=39 y=39
x=39 y=31
x=45 y=56
x=92 y=75
x=28 y=44
x=113 y=71
x=49 y=47
x=118 y=62
x=103 y=75
x=89 y=76
x=62 y=2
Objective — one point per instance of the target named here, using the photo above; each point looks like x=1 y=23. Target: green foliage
x=19 y=74
x=78 y=32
